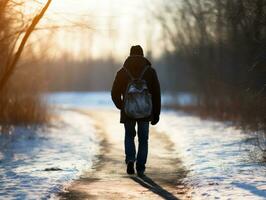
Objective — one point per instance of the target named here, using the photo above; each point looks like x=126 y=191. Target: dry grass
x=21 y=102
x=22 y=109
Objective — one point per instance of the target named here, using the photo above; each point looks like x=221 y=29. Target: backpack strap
x=143 y=72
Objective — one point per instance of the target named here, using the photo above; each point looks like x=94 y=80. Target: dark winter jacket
x=135 y=64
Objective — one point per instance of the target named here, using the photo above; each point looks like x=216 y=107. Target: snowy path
x=108 y=179
x=205 y=159
x=214 y=158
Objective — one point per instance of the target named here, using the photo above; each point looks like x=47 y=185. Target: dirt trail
x=108 y=179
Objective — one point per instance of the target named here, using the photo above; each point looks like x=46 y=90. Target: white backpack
x=138 y=101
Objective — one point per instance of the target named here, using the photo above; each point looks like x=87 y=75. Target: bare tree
x=12 y=62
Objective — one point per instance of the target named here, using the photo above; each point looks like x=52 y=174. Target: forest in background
x=214 y=49
x=221 y=44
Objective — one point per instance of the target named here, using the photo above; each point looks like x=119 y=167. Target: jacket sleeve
x=156 y=94
x=116 y=92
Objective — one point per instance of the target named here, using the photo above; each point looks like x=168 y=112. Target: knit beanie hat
x=136 y=51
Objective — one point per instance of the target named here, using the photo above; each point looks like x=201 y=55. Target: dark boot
x=140 y=170
x=130 y=167
x=140 y=174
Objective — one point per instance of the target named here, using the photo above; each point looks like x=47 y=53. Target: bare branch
x=12 y=64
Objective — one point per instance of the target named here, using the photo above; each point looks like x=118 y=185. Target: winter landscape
x=191 y=74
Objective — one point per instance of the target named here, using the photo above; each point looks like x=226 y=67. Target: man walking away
x=136 y=93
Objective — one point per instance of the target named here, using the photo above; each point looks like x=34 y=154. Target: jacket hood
x=136 y=60
x=135 y=64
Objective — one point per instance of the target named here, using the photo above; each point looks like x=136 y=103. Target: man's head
x=136 y=51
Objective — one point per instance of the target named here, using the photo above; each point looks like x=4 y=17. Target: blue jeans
x=130 y=149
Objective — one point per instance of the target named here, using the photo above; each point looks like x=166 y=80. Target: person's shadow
x=154 y=187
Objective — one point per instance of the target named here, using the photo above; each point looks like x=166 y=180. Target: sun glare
x=98 y=28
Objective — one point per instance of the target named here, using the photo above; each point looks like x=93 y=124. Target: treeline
x=222 y=44
x=68 y=74
x=97 y=74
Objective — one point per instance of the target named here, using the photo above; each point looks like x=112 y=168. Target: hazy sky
x=113 y=26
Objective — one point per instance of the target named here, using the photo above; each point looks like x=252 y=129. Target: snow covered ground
x=218 y=158
x=103 y=99
x=37 y=163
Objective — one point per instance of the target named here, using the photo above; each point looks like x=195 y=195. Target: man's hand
x=155 y=120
